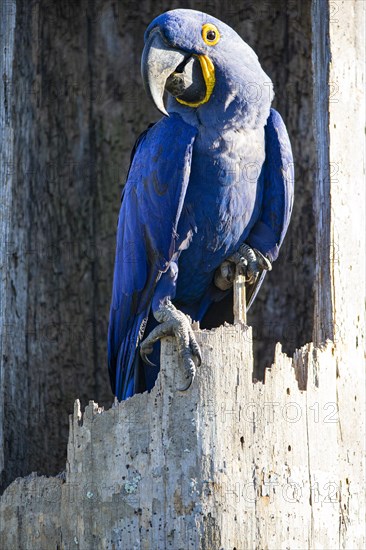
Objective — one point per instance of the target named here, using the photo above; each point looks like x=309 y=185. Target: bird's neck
x=239 y=105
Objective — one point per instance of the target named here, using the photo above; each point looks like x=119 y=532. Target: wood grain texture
x=239 y=298
x=7 y=25
x=228 y=464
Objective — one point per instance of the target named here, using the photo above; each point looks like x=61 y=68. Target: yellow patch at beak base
x=208 y=72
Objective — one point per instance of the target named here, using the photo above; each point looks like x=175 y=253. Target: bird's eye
x=210 y=34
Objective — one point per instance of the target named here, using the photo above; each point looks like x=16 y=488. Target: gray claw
x=262 y=261
x=188 y=385
x=145 y=359
x=174 y=323
x=196 y=353
x=225 y=275
x=248 y=260
x=190 y=367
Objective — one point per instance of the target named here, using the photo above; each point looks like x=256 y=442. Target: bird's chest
x=223 y=192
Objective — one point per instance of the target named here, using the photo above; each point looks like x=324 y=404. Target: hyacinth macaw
x=209 y=185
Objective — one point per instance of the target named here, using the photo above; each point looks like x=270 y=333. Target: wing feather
x=278 y=195
x=147 y=238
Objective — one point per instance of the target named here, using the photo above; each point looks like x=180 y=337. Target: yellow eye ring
x=210 y=34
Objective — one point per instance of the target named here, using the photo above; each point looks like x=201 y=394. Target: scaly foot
x=250 y=260
x=174 y=323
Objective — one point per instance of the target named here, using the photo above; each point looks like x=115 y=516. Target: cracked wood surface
x=228 y=464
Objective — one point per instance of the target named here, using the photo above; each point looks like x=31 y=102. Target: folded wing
x=147 y=238
x=278 y=195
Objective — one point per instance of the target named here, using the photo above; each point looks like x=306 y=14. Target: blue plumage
x=202 y=182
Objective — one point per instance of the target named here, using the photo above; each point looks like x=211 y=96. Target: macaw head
x=206 y=68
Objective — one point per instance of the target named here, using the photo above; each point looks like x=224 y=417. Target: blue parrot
x=210 y=185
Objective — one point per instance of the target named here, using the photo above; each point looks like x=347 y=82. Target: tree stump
x=231 y=463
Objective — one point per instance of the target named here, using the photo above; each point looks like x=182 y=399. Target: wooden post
x=239 y=296
x=228 y=464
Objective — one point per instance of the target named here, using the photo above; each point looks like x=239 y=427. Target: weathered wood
x=239 y=298
x=228 y=464
x=7 y=25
